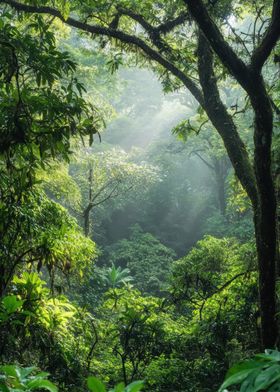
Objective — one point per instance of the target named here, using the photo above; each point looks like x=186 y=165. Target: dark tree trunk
x=277 y=187
x=258 y=183
x=86 y=215
x=265 y=212
x=222 y=121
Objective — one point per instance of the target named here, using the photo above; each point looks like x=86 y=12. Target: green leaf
x=248 y=383
x=134 y=386
x=10 y=370
x=41 y=384
x=11 y=303
x=238 y=373
x=118 y=388
x=271 y=355
x=24 y=372
x=4 y=388
x=267 y=377
x=275 y=387
x=95 y=385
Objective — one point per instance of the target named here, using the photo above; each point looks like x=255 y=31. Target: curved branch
x=166 y=27
x=223 y=122
x=117 y=34
x=269 y=40
x=224 y=51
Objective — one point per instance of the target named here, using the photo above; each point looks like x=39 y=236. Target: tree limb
x=269 y=40
x=223 y=122
x=113 y=33
x=224 y=51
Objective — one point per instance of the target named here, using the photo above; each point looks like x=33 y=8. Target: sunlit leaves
x=41 y=102
x=95 y=385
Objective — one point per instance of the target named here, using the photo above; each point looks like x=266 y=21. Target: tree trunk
x=265 y=212
x=86 y=221
x=258 y=183
x=222 y=121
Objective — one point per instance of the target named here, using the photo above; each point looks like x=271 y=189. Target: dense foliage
x=139 y=182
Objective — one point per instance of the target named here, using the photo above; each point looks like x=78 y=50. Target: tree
x=209 y=269
x=115 y=276
x=107 y=176
x=148 y=260
x=177 y=61
x=208 y=148
x=40 y=113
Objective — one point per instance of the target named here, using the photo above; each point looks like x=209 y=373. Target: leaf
x=134 y=386
x=273 y=355
x=24 y=372
x=42 y=384
x=248 y=383
x=95 y=385
x=10 y=370
x=275 y=387
x=244 y=365
x=238 y=373
x=267 y=377
x=119 y=388
x=4 y=388
x=11 y=303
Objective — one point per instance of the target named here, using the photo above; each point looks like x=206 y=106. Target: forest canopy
x=139 y=195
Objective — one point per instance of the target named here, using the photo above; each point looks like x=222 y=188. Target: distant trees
x=148 y=260
x=108 y=175
x=208 y=148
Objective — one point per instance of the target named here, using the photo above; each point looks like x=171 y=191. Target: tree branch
x=163 y=28
x=224 y=51
x=113 y=33
x=222 y=121
x=166 y=27
x=269 y=40
x=203 y=160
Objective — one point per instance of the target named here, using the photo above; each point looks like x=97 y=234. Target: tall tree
x=41 y=109
x=166 y=37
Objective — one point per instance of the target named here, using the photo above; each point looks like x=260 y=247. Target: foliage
x=182 y=337
x=133 y=331
x=108 y=177
x=147 y=259
x=15 y=379
x=257 y=374
x=96 y=385
x=115 y=276
x=31 y=316
x=39 y=232
x=42 y=109
x=40 y=112
x=208 y=267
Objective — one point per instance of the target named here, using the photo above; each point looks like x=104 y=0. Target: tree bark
x=222 y=121
x=258 y=183
x=265 y=212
